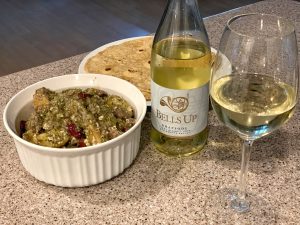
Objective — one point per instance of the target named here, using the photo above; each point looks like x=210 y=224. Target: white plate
x=224 y=68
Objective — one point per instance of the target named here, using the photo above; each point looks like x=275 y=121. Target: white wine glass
x=254 y=82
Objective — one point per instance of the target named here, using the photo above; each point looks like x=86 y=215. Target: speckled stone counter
x=158 y=189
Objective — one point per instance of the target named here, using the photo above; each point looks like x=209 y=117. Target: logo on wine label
x=178 y=104
x=179 y=113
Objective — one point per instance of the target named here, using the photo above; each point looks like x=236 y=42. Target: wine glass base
x=240 y=205
x=219 y=208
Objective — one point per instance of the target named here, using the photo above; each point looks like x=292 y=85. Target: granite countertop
x=158 y=189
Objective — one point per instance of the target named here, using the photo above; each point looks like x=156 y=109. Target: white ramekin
x=77 y=167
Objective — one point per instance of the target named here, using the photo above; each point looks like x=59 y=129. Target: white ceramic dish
x=224 y=67
x=77 y=167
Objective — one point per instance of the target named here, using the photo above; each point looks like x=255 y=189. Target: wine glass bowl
x=260 y=93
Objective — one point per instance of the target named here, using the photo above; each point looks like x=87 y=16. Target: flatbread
x=129 y=60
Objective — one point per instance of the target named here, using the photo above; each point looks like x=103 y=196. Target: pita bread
x=129 y=60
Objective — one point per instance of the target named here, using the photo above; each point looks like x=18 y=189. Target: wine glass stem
x=244 y=168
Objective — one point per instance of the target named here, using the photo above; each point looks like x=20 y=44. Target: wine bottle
x=180 y=72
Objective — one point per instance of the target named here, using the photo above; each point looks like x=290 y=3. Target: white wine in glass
x=260 y=93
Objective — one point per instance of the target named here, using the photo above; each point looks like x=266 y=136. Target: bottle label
x=179 y=113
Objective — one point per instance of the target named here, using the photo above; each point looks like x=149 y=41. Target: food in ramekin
x=76 y=117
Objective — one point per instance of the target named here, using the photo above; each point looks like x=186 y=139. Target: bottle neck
x=183 y=4
x=184 y=14
x=182 y=18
